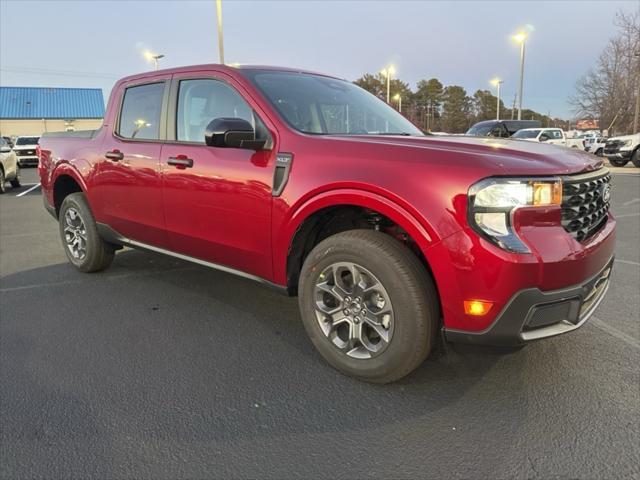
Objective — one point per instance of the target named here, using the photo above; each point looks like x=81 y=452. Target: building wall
x=13 y=127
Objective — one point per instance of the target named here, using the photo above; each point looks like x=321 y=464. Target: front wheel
x=599 y=152
x=368 y=305
x=636 y=158
x=618 y=162
x=84 y=247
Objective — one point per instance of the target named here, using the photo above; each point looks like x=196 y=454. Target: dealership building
x=35 y=110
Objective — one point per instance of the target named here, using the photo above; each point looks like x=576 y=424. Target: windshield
x=27 y=141
x=481 y=129
x=526 y=134
x=325 y=106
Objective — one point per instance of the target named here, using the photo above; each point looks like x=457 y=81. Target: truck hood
x=495 y=155
x=627 y=137
x=25 y=147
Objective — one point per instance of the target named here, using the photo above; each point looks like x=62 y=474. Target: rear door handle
x=180 y=161
x=115 y=155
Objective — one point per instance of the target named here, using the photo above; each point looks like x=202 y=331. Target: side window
x=203 y=100
x=556 y=134
x=140 y=113
x=495 y=131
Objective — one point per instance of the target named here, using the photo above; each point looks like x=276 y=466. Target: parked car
x=9 y=169
x=9 y=141
x=25 y=149
x=619 y=150
x=310 y=184
x=596 y=146
x=552 y=136
x=501 y=128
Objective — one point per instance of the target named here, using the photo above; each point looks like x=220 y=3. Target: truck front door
x=217 y=201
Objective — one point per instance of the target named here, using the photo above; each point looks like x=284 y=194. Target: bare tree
x=609 y=91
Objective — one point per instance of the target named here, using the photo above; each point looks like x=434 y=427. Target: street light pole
x=521 y=80
x=521 y=38
x=220 y=37
x=398 y=97
x=155 y=60
x=497 y=82
x=387 y=72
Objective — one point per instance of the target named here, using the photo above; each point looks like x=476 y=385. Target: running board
x=111 y=236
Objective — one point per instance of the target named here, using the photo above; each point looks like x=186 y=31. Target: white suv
x=9 y=168
x=25 y=149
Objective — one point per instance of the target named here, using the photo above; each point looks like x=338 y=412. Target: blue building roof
x=62 y=103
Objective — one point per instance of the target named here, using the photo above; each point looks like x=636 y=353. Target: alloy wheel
x=353 y=310
x=75 y=234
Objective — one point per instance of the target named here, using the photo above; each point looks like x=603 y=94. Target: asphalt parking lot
x=158 y=368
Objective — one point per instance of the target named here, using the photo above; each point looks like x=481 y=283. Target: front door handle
x=180 y=161
x=115 y=155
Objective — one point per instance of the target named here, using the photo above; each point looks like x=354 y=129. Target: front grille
x=585 y=203
x=25 y=152
x=612 y=146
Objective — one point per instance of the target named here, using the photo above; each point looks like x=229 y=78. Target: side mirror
x=5 y=149
x=232 y=133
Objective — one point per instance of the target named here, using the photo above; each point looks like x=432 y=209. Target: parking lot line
x=628 y=262
x=29 y=190
x=628 y=215
x=628 y=339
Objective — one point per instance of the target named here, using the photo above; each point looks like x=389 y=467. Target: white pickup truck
x=554 y=136
x=619 y=150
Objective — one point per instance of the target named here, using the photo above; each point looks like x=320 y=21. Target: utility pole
x=513 y=109
x=220 y=38
x=637 y=113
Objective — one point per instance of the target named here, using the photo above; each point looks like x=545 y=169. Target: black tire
x=599 y=152
x=618 y=162
x=98 y=254
x=416 y=309
x=3 y=188
x=635 y=158
x=15 y=183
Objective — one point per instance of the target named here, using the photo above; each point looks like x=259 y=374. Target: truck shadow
x=200 y=355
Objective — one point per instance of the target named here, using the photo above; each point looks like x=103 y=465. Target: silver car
x=9 y=168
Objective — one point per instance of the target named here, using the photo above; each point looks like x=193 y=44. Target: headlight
x=493 y=201
x=627 y=143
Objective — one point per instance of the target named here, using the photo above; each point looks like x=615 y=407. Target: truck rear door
x=128 y=187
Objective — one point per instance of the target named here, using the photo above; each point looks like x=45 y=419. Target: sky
x=93 y=43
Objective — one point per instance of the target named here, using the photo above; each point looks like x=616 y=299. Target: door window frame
x=172 y=106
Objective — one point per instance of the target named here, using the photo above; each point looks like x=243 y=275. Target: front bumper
x=624 y=154
x=27 y=160
x=532 y=314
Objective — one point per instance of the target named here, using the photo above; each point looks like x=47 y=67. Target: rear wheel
x=368 y=305
x=84 y=247
x=2 y=181
x=618 y=162
x=15 y=183
x=599 y=152
x=636 y=158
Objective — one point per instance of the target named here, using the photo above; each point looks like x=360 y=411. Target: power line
x=64 y=73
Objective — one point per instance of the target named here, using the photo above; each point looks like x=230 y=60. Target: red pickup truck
x=308 y=183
